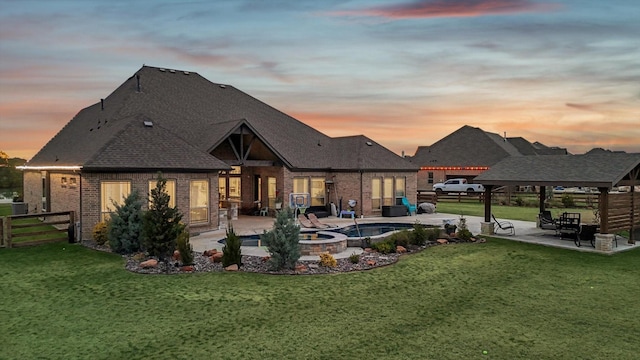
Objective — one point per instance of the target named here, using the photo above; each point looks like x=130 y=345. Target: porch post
x=486 y=227
x=543 y=196
x=603 y=208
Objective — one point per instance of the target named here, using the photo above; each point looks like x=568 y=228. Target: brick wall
x=90 y=186
x=32 y=182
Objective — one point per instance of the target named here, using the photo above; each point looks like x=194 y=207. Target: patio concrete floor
x=526 y=231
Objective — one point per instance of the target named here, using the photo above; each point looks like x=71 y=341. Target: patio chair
x=411 y=208
x=304 y=221
x=504 y=227
x=264 y=211
x=587 y=233
x=546 y=221
x=316 y=223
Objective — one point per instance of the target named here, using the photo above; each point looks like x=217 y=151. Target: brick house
x=215 y=144
x=469 y=151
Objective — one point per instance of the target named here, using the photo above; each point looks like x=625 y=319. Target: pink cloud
x=448 y=8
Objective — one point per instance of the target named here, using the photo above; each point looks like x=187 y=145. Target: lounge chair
x=304 y=221
x=411 y=208
x=314 y=220
x=504 y=227
x=546 y=221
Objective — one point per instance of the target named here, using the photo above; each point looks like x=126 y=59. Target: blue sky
x=405 y=73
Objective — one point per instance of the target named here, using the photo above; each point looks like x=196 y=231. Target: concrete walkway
x=526 y=231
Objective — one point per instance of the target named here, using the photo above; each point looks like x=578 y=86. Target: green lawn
x=514 y=300
x=508 y=212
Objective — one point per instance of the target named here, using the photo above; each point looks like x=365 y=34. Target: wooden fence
x=516 y=198
x=624 y=212
x=49 y=227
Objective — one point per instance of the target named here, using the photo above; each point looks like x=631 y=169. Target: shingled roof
x=190 y=117
x=595 y=170
x=472 y=146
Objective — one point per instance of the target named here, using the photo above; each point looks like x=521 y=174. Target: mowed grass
x=513 y=300
x=508 y=212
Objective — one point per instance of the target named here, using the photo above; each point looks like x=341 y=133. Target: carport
x=604 y=171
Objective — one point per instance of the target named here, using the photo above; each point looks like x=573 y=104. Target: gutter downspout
x=361 y=195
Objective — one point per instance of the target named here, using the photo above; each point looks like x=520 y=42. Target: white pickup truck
x=457 y=186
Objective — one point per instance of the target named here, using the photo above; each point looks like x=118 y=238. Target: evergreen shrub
x=161 y=223
x=125 y=225
x=231 y=252
x=282 y=241
x=184 y=248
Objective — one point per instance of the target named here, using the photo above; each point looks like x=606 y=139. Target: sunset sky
x=405 y=73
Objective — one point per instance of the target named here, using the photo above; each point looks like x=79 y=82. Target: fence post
x=7 y=231
x=72 y=226
x=2 y=231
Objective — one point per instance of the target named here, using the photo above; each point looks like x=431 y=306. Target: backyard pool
x=333 y=241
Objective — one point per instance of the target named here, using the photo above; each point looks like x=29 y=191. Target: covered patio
x=618 y=211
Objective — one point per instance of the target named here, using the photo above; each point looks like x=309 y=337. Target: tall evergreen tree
x=283 y=241
x=125 y=225
x=161 y=223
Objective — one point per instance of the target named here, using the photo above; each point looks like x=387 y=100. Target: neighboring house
x=216 y=146
x=469 y=151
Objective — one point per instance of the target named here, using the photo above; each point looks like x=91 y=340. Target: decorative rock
x=371 y=262
x=442 y=241
x=151 y=263
x=266 y=258
x=209 y=253
x=232 y=267
x=401 y=249
x=217 y=257
x=368 y=250
x=188 y=268
x=176 y=255
x=301 y=268
x=482 y=240
x=313 y=266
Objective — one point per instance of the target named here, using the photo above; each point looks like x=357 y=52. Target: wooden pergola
x=603 y=171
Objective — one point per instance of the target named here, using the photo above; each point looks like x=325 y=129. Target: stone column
x=604 y=242
x=487 y=228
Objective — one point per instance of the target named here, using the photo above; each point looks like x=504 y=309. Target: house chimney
x=505 y=136
x=101 y=104
x=137 y=83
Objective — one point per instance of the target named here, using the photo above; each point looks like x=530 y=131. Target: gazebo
x=618 y=211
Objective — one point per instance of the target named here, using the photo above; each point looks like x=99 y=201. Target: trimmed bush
x=231 y=252
x=283 y=241
x=185 y=248
x=401 y=238
x=419 y=236
x=384 y=247
x=354 y=258
x=433 y=234
x=125 y=226
x=100 y=233
x=328 y=260
x=567 y=201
